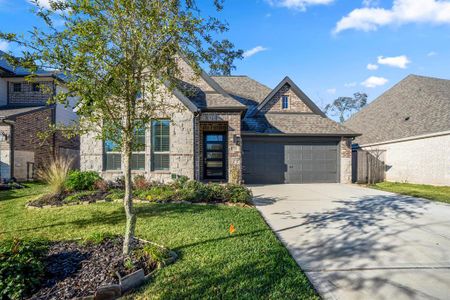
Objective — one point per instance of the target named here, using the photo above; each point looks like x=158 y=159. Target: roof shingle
x=416 y=105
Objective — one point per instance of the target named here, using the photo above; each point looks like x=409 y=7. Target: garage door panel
x=275 y=160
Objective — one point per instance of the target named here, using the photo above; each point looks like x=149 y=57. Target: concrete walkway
x=359 y=243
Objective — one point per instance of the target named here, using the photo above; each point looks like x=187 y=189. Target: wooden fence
x=368 y=166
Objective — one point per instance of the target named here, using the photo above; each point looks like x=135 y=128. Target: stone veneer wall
x=181 y=151
x=234 y=151
x=295 y=103
x=346 y=160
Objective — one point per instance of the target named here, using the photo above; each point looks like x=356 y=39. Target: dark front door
x=214 y=158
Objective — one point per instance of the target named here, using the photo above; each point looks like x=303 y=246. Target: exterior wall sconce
x=3 y=136
x=237 y=140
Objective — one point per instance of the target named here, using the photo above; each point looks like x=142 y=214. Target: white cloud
x=369 y=3
x=350 y=84
x=402 y=12
x=43 y=3
x=298 y=4
x=374 y=81
x=331 y=91
x=4 y=46
x=372 y=67
x=431 y=53
x=401 y=61
x=253 y=51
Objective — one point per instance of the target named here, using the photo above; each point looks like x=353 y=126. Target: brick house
x=24 y=113
x=233 y=128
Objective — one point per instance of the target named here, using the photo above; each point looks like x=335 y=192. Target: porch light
x=237 y=139
x=3 y=136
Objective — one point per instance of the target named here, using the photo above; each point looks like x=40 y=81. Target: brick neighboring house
x=24 y=113
x=409 y=125
x=234 y=128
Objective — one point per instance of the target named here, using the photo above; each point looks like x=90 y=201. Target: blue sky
x=325 y=46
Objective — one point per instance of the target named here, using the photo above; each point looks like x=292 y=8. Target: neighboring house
x=24 y=113
x=410 y=125
x=234 y=128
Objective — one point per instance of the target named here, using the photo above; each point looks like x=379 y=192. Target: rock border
x=130 y=281
x=28 y=206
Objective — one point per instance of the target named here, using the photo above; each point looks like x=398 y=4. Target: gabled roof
x=243 y=87
x=306 y=124
x=296 y=90
x=417 y=105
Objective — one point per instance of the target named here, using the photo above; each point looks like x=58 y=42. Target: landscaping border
x=131 y=281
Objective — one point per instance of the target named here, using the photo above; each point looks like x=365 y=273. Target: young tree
x=120 y=57
x=345 y=106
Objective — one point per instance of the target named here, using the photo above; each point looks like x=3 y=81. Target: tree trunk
x=128 y=199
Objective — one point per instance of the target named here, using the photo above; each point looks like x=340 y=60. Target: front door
x=214 y=150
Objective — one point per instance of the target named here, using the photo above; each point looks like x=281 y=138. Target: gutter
x=246 y=133
x=411 y=138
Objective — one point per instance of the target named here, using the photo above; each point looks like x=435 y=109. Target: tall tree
x=343 y=107
x=120 y=58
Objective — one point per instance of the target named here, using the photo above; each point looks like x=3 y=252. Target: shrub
x=154 y=254
x=180 y=181
x=21 y=267
x=102 y=185
x=56 y=174
x=236 y=193
x=157 y=193
x=141 y=183
x=193 y=191
x=81 y=180
x=215 y=192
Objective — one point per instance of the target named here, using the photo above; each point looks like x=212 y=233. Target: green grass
x=435 y=193
x=250 y=264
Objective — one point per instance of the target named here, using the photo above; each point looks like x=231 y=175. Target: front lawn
x=435 y=193
x=250 y=264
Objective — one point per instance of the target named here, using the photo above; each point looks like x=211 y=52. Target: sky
x=330 y=48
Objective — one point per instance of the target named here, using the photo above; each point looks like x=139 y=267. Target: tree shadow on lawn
x=23 y=192
x=99 y=217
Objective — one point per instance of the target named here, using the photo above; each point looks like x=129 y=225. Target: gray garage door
x=289 y=160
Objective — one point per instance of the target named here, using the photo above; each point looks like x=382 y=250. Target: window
x=35 y=87
x=17 y=87
x=160 y=145
x=285 y=102
x=113 y=154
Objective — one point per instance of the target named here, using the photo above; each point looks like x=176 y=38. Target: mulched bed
x=58 y=199
x=76 y=270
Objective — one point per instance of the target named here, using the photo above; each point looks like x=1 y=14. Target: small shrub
x=154 y=254
x=236 y=193
x=81 y=180
x=157 y=193
x=119 y=183
x=21 y=267
x=56 y=174
x=180 y=182
x=193 y=191
x=102 y=185
x=215 y=192
x=141 y=183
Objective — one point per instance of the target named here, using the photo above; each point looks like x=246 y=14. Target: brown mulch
x=74 y=269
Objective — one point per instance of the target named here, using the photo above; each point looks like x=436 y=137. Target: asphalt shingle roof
x=8 y=112
x=416 y=105
x=301 y=124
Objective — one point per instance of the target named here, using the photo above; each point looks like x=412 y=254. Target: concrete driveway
x=359 y=243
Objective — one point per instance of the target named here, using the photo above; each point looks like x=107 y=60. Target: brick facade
x=27 y=96
x=30 y=147
x=295 y=103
